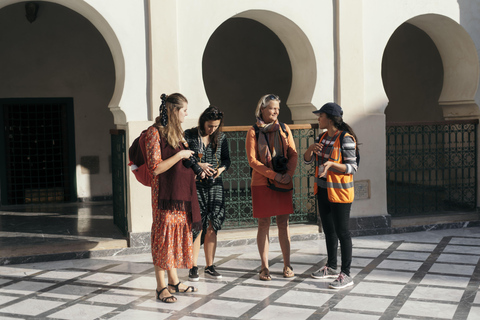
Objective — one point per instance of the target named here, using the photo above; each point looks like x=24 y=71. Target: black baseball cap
x=330 y=108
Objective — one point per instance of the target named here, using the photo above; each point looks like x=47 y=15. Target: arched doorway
x=258 y=52
x=243 y=61
x=58 y=67
x=39 y=59
x=430 y=73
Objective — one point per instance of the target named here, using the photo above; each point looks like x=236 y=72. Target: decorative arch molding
x=92 y=15
x=460 y=64
x=302 y=59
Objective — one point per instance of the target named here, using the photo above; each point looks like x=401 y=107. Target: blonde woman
x=174 y=197
x=273 y=158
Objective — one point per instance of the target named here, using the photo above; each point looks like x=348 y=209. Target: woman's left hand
x=219 y=172
x=326 y=166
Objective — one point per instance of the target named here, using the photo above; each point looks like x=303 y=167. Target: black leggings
x=335 y=222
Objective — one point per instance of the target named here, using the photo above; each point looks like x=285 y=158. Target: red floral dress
x=171 y=229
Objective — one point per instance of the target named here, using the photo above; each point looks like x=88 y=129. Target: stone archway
x=111 y=39
x=460 y=64
x=431 y=163
x=302 y=60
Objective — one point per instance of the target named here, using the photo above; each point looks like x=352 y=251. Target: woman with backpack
x=335 y=155
x=174 y=197
x=273 y=158
x=212 y=154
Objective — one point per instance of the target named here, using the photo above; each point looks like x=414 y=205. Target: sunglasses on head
x=214 y=115
x=271 y=97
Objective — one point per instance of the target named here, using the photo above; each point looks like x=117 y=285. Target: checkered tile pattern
x=424 y=275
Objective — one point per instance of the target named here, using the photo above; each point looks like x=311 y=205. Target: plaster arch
x=302 y=59
x=111 y=39
x=460 y=64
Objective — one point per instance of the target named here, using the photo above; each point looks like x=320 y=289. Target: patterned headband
x=163 y=110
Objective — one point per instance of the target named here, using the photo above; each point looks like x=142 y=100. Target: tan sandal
x=288 y=272
x=264 y=275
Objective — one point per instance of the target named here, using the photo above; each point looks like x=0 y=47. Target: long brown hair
x=343 y=126
x=209 y=114
x=171 y=129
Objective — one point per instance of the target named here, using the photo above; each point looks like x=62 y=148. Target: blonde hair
x=172 y=131
x=263 y=102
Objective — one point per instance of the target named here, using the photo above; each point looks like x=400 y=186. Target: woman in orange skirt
x=273 y=158
x=174 y=197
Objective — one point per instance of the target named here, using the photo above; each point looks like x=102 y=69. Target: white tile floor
x=425 y=275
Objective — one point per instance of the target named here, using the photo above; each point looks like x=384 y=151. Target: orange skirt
x=268 y=203
x=172 y=239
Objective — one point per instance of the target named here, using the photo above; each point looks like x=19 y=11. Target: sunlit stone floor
x=423 y=275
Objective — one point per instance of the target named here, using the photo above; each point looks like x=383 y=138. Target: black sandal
x=189 y=289
x=170 y=299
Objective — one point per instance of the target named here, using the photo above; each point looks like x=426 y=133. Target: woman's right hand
x=207 y=168
x=283 y=178
x=185 y=154
x=316 y=148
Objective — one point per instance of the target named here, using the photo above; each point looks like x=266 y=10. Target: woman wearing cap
x=211 y=151
x=273 y=158
x=174 y=197
x=335 y=161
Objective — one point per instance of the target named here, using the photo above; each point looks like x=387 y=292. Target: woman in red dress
x=174 y=197
x=269 y=144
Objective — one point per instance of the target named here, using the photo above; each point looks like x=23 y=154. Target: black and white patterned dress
x=210 y=195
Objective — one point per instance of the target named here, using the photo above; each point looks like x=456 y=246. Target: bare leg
x=172 y=276
x=210 y=244
x=173 y=280
x=263 y=240
x=284 y=237
x=160 y=276
x=196 y=249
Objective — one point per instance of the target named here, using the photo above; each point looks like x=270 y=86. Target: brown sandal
x=288 y=272
x=264 y=275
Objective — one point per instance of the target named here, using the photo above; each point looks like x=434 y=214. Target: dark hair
x=340 y=125
x=212 y=113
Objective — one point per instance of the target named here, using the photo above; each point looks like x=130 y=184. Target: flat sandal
x=170 y=299
x=288 y=272
x=177 y=289
x=264 y=275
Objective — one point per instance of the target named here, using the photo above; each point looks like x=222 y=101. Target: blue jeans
x=335 y=222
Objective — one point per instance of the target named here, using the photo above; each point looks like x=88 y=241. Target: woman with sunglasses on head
x=273 y=158
x=174 y=197
x=211 y=151
x=335 y=155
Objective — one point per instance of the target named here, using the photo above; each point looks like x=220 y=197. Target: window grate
x=36 y=149
x=431 y=167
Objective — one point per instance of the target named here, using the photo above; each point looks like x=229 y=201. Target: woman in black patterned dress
x=211 y=150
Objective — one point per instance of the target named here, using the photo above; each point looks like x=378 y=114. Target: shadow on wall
x=412 y=75
x=62 y=54
x=243 y=61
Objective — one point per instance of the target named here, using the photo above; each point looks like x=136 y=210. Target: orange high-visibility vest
x=339 y=185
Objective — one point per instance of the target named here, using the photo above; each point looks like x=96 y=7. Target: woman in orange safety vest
x=334 y=152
